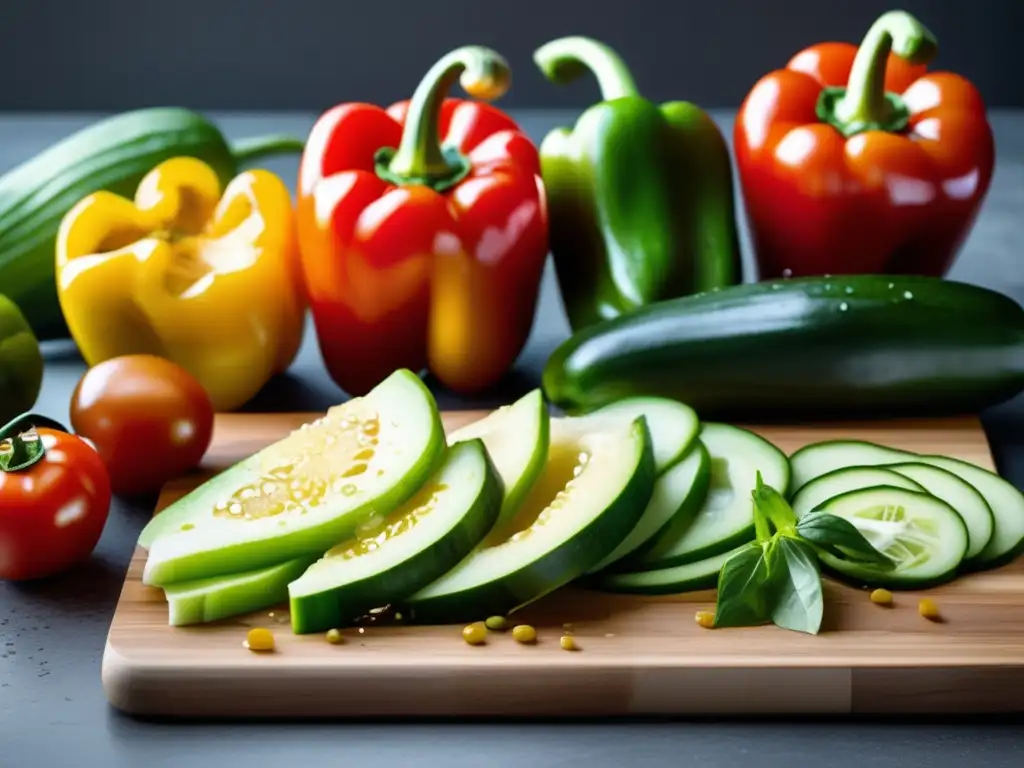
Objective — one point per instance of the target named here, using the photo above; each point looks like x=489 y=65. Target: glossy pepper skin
x=859 y=161
x=423 y=230
x=206 y=279
x=21 y=362
x=640 y=195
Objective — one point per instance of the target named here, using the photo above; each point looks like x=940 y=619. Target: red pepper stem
x=864 y=104
x=420 y=158
x=567 y=58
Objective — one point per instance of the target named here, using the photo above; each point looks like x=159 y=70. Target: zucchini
x=112 y=154
x=857 y=346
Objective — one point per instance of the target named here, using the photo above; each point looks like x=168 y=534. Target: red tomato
x=53 y=512
x=150 y=420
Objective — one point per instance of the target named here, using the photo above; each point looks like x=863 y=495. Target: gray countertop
x=53 y=712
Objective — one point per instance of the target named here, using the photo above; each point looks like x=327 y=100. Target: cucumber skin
x=789 y=348
x=554 y=569
x=112 y=154
x=343 y=606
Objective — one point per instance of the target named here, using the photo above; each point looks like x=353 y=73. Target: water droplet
x=787 y=272
x=349 y=489
x=828 y=286
x=843 y=306
x=849 y=290
x=891 y=286
x=826 y=275
x=776 y=286
x=908 y=295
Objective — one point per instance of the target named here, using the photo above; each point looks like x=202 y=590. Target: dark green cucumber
x=112 y=154
x=856 y=346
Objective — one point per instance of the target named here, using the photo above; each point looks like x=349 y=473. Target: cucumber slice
x=817 y=459
x=1006 y=503
x=923 y=535
x=726 y=518
x=406 y=550
x=219 y=597
x=598 y=479
x=516 y=437
x=839 y=481
x=678 y=495
x=1004 y=500
x=690 y=577
x=673 y=426
x=960 y=495
x=306 y=492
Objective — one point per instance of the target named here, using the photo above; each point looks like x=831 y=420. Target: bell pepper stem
x=864 y=103
x=420 y=158
x=567 y=58
x=20 y=444
x=255 y=147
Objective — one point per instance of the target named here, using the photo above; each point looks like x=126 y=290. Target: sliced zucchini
x=673 y=426
x=516 y=437
x=923 y=535
x=839 y=481
x=678 y=495
x=961 y=496
x=726 y=518
x=598 y=479
x=1006 y=503
x=690 y=577
x=306 y=492
x=219 y=597
x=817 y=459
x=393 y=555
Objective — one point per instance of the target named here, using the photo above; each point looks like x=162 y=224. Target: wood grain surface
x=638 y=655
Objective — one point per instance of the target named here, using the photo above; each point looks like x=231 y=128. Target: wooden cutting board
x=637 y=655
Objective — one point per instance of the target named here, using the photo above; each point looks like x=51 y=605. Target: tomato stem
x=20 y=444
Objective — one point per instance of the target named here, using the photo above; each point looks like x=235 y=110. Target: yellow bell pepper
x=209 y=280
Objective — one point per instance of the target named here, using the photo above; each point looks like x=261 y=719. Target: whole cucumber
x=850 y=347
x=112 y=154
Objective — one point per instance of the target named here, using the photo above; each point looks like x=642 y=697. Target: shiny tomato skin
x=53 y=512
x=150 y=420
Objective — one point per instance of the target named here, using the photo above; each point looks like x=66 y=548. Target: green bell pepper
x=640 y=196
x=21 y=363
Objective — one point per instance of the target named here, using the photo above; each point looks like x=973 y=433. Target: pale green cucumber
x=393 y=556
x=690 y=577
x=305 y=493
x=673 y=426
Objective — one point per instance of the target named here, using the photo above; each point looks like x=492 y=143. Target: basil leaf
x=833 y=532
x=743 y=592
x=770 y=504
x=796 y=586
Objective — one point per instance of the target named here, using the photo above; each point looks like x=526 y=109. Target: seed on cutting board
x=524 y=633
x=259 y=639
x=568 y=643
x=475 y=634
x=705 y=619
x=928 y=609
x=334 y=637
x=881 y=597
x=497 y=623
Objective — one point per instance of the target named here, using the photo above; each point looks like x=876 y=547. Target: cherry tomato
x=150 y=420
x=52 y=512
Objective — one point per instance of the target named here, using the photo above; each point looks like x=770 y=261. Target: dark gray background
x=309 y=54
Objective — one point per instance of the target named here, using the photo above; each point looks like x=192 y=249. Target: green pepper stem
x=567 y=58
x=420 y=158
x=865 y=101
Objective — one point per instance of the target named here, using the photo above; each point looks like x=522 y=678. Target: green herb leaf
x=837 y=533
x=797 y=601
x=743 y=593
x=770 y=504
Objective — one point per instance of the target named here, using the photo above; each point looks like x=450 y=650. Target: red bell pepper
x=859 y=161
x=423 y=231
